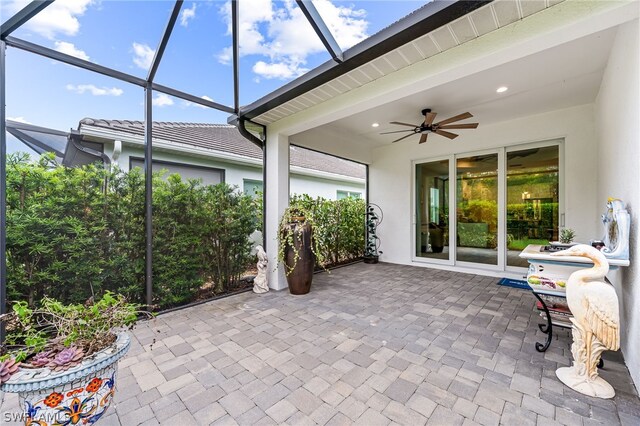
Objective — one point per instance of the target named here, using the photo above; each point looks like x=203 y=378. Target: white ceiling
x=557 y=78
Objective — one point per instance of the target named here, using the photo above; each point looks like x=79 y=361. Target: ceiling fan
x=428 y=126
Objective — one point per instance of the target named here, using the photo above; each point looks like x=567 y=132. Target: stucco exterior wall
x=236 y=173
x=314 y=186
x=391 y=183
x=616 y=113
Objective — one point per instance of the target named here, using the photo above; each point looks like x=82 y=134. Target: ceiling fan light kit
x=428 y=126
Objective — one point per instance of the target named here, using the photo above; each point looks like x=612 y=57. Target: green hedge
x=77 y=232
x=339 y=226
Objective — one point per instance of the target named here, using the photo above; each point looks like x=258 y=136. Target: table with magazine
x=547 y=277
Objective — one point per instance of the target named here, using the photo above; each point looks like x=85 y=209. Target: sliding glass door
x=499 y=203
x=532 y=199
x=477 y=209
x=432 y=210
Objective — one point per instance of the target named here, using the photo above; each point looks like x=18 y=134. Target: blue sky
x=276 y=45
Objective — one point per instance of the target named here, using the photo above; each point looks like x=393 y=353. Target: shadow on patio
x=371 y=344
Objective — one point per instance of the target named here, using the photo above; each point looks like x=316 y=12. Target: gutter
x=241 y=126
x=75 y=138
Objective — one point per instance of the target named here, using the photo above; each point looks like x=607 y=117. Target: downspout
x=117 y=150
x=260 y=144
x=75 y=138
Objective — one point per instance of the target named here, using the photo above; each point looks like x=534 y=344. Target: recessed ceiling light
x=375 y=125
x=502 y=89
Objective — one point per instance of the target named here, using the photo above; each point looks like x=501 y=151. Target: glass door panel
x=477 y=209
x=532 y=199
x=432 y=210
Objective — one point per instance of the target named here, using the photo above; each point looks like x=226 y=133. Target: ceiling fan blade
x=429 y=117
x=396 y=131
x=423 y=138
x=403 y=124
x=404 y=137
x=446 y=134
x=459 y=126
x=455 y=118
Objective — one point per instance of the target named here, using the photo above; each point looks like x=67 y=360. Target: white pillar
x=277 y=200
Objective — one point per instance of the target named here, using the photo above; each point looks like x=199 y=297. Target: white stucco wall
x=314 y=186
x=618 y=130
x=236 y=173
x=391 y=185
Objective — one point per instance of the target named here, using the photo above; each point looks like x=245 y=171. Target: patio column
x=277 y=199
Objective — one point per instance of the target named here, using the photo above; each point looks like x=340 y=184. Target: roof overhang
x=423 y=21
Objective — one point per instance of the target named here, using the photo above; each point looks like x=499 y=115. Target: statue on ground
x=596 y=323
x=260 y=284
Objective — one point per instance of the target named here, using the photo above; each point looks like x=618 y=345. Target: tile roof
x=227 y=138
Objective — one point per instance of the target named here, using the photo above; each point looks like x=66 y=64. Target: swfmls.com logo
x=22 y=417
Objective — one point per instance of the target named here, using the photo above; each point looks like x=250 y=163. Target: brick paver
x=371 y=344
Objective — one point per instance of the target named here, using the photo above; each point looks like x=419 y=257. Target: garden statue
x=617 y=222
x=260 y=284
x=596 y=323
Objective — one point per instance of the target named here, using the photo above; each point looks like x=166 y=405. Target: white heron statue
x=596 y=323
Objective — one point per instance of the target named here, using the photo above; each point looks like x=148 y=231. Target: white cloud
x=162 y=100
x=280 y=70
x=187 y=104
x=187 y=15
x=70 y=49
x=60 y=17
x=94 y=90
x=143 y=55
x=19 y=120
x=280 y=33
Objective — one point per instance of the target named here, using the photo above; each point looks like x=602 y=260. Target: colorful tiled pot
x=78 y=396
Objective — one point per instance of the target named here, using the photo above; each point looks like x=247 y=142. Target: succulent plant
x=66 y=358
x=41 y=359
x=7 y=368
x=567 y=235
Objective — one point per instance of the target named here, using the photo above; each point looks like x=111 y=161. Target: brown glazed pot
x=299 y=279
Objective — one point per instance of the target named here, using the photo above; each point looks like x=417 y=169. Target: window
x=209 y=175
x=348 y=194
x=252 y=187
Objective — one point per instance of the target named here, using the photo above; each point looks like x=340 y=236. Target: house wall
x=236 y=173
x=618 y=130
x=391 y=185
x=314 y=186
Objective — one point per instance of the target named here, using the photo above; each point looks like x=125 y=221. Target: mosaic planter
x=78 y=396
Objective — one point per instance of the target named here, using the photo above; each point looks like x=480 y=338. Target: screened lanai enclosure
x=129 y=224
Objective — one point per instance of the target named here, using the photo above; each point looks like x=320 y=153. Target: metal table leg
x=545 y=328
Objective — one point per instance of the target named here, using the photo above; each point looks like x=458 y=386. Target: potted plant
x=62 y=359
x=373 y=218
x=298 y=250
x=567 y=235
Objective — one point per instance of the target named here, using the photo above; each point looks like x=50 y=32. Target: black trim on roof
x=424 y=20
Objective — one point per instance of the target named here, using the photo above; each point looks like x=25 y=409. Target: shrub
x=230 y=219
x=77 y=232
x=338 y=226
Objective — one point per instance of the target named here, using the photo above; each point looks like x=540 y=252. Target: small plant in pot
x=373 y=218
x=62 y=359
x=298 y=250
x=567 y=235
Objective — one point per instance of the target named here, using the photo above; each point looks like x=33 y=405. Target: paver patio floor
x=371 y=345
